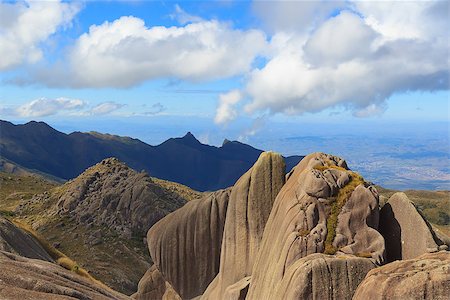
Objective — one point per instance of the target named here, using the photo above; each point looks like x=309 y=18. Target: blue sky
x=230 y=67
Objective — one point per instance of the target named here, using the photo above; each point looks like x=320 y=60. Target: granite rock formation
x=24 y=278
x=406 y=232
x=154 y=286
x=20 y=242
x=426 y=277
x=320 y=276
x=250 y=203
x=323 y=207
x=185 y=245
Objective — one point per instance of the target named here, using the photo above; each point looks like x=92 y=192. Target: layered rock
x=426 y=277
x=154 y=286
x=185 y=245
x=113 y=195
x=406 y=232
x=323 y=207
x=319 y=276
x=250 y=203
x=20 y=242
x=24 y=278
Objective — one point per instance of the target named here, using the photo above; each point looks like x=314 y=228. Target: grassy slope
x=116 y=261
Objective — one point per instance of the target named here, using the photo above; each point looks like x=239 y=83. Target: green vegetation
x=336 y=205
x=15 y=189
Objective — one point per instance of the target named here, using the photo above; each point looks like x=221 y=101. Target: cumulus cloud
x=105 y=108
x=356 y=59
x=42 y=107
x=125 y=52
x=24 y=25
x=226 y=110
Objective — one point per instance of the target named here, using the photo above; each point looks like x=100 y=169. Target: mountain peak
x=189 y=137
x=225 y=141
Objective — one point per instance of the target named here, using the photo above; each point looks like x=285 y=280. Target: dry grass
x=60 y=258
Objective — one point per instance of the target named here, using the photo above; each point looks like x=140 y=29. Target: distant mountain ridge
x=38 y=146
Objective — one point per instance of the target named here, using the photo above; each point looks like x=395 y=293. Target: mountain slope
x=37 y=146
x=101 y=217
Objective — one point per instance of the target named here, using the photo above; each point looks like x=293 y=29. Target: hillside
x=37 y=146
x=99 y=218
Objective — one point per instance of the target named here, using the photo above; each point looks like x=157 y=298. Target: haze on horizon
x=356 y=78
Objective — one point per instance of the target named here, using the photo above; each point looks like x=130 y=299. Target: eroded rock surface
x=20 y=242
x=407 y=234
x=154 y=286
x=319 y=276
x=323 y=207
x=114 y=195
x=250 y=203
x=185 y=245
x=27 y=279
x=426 y=277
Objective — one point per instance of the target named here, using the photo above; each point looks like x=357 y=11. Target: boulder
x=323 y=207
x=28 y=279
x=248 y=209
x=17 y=241
x=406 y=233
x=426 y=277
x=185 y=245
x=154 y=286
x=319 y=276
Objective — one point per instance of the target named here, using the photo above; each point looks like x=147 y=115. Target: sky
x=234 y=69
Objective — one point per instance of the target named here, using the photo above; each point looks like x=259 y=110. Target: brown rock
x=29 y=279
x=239 y=290
x=249 y=207
x=154 y=286
x=407 y=234
x=319 y=276
x=313 y=213
x=185 y=245
x=20 y=242
x=425 y=277
x=113 y=195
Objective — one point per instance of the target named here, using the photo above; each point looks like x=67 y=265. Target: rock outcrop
x=20 y=242
x=185 y=245
x=407 y=234
x=249 y=207
x=323 y=207
x=24 y=278
x=154 y=286
x=320 y=276
x=426 y=277
x=113 y=195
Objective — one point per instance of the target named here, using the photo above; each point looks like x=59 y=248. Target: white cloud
x=226 y=110
x=347 y=61
x=105 y=108
x=183 y=17
x=25 y=25
x=125 y=52
x=44 y=107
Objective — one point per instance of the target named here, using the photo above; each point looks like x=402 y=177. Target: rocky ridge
x=101 y=218
x=324 y=232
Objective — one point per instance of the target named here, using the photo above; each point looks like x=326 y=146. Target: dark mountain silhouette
x=37 y=146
